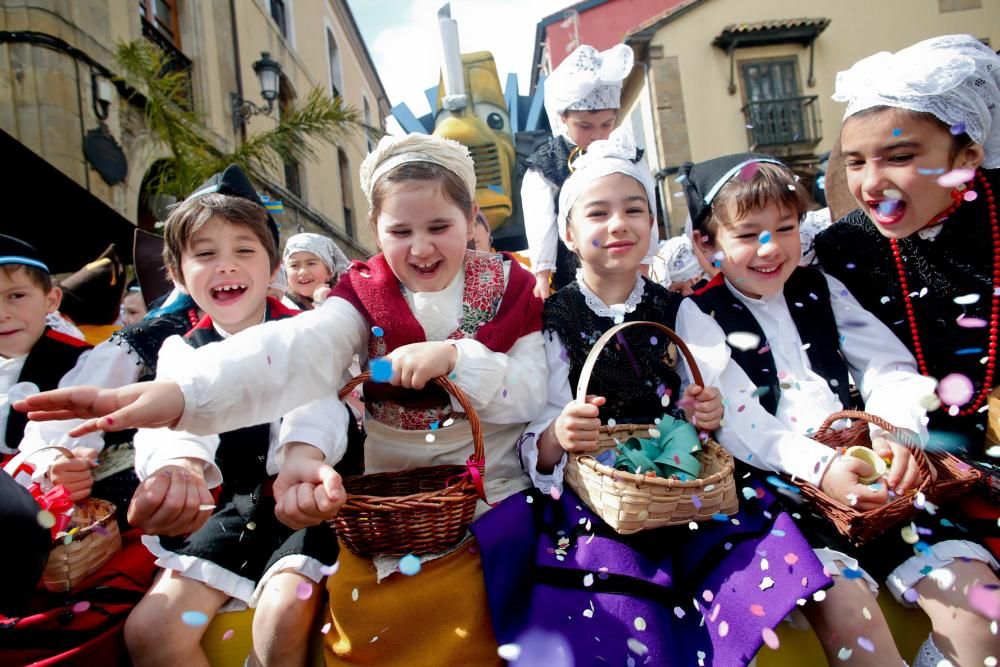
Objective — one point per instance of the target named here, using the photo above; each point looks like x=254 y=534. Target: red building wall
x=602 y=26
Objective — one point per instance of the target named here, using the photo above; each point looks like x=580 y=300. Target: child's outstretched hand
x=542 y=289
x=173 y=501
x=577 y=427
x=76 y=472
x=416 y=364
x=707 y=411
x=148 y=404
x=307 y=492
x=904 y=474
x=841 y=482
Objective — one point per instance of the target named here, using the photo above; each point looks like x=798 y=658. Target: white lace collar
x=439 y=313
x=614 y=310
x=930 y=233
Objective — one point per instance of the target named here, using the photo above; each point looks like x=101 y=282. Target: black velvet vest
x=50 y=358
x=808 y=297
x=957 y=263
x=632 y=372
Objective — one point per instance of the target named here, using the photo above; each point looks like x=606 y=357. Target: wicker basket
x=420 y=511
x=75 y=557
x=630 y=502
x=943 y=477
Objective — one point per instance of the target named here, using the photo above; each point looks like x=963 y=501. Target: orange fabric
x=437 y=617
x=95 y=334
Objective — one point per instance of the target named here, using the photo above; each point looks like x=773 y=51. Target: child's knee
x=147 y=635
x=288 y=605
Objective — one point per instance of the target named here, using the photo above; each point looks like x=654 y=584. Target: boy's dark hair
x=739 y=197
x=452 y=186
x=192 y=214
x=958 y=141
x=38 y=277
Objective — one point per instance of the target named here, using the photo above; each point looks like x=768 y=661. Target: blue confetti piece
x=434 y=425
x=764 y=238
x=377 y=330
x=720 y=517
x=931 y=172
x=777 y=532
x=947 y=524
x=381 y=369
x=194 y=618
x=926 y=569
x=921 y=546
x=495 y=188
x=453 y=376
x=969 y=350
x=850 y=573
x=748 y=493
x=896 y=132
x=409 y=565
x=779 y=483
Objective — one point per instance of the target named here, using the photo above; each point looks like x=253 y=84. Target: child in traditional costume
x=800 y=336
x=582 y=98
x=431 y=308
x=312 y=263
x=670 y=596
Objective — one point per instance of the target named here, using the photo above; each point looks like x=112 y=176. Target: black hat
x=233 y=181
x=147 y=258
x=16 y=251
x=703 y=181
x=93 y=295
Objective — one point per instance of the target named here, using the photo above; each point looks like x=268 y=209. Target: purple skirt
x=569 y=590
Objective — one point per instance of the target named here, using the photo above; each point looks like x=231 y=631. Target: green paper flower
x=670 y=452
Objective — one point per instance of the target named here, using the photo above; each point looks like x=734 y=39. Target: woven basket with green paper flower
x=658 y=483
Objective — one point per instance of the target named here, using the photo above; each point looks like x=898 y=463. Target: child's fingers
x=332 y=485
x=911 y=476
x=693 y=390
x=147 y=499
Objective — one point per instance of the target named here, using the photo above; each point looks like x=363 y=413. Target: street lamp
x=268 y=71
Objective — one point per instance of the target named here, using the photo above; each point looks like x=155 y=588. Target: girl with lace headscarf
x=582 y=98
x=607 y=212
x=921 y=145
x=312 y=263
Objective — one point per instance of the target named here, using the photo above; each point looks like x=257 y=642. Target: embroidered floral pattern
x=481 y=297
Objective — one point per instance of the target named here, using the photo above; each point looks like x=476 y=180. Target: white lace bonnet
x=955 y=77
x=588 y=80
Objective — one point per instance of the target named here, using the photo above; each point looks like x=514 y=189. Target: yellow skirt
x=439 y=616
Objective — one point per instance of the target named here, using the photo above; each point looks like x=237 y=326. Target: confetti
x=354 y=595
x=957 y=129
x=462 y=633
x=637 y=646
x=819 y=596
x=749 y=171
x=409 y=565
x=956 y=177
x=723 y=629
x=931 y=172
x=46 y=519
x=970 y=195
x=194 y=618
x=555 y=493
x=985 y=600
x=327 y=570
x=639 y=623
x=845 y=653
x=888 y=206
x=866 y=644
x=251 y=525
x=766 y=583
x=81 y=607
x=770 y=638
x=377 y=331
x=381 y=369
x=429 y=437
x=325 y=629
x=867 y=614
x=764 y=238
x=509 y=652
x=896 y=132
x=743 y=340
x=678 y=612
x=304 y=590
x=955 y=389
x=588 y=579
x=756 y=610
x=791 y=558
x=891 y=193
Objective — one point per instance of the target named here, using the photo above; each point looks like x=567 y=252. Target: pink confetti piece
x=986 y=600
x=955 y=177
x=955 y=389
x=756 y=610
x=770 y=638
x=81 y=607
x=791 y=558
x=866 y=644
x=227 y=635
x=304 y=590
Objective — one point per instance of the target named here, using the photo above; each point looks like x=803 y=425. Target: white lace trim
x=930 y=233
x=601 y=309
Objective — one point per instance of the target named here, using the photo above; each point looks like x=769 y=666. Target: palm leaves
x=163 y=92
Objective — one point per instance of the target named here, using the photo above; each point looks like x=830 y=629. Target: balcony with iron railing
x=786 y=125
x=175 y=60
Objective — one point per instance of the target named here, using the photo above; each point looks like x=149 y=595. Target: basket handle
x=11 y=467
x=927 y=471
x=595 y=352
x=479 y=455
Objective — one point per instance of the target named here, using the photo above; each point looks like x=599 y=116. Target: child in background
x=312 y=263
x=482 y=235
x=606 y=217
x=33 y=357
x=800 y=336
x=133 y=306
x=677 y=266
x=582 y=97
x=431 y=308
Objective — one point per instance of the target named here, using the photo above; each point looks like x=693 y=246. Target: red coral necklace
x=918 y=349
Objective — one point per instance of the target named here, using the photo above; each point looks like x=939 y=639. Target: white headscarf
x=955 y=77
x=321 y=246
x=614 y=155
x=682 y=264
x=588 y=80
x=394 y=151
